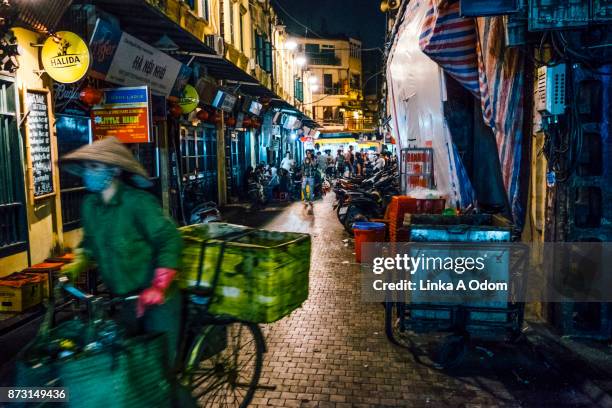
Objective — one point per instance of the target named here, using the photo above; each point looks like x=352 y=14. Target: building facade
x=220 y=47
x=336 y=78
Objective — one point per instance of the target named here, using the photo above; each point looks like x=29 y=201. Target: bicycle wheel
x=394 y=326
x=229 y=377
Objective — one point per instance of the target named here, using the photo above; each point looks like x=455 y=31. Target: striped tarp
x=503 y=74
x=450 y=40
x=472 y=51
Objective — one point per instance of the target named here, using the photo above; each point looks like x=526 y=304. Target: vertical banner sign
x=125 y=60
x=39 y=140
x=124 y=113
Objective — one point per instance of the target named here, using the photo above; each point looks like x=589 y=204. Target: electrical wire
x=277 y=3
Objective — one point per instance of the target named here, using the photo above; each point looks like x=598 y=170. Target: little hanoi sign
x=124 y=113
x=65 y=57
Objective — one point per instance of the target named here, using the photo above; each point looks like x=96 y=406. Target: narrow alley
x=333 y=352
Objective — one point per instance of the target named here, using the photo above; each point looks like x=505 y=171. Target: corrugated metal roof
x=40 y=15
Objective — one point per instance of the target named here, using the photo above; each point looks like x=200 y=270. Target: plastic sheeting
x=416 y=92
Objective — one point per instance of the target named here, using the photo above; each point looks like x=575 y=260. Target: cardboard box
x=19 y=292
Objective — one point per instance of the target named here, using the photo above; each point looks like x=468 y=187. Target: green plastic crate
x=263 y=274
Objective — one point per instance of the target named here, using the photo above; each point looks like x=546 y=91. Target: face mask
x=99 y=179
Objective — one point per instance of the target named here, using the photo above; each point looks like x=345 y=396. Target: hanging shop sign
x=38 y=132
x=189 y=99
x=124 y=113
x=66 y=98
x=65 y=57
x=125 y=60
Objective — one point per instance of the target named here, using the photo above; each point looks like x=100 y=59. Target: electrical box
x=550 y=14
x=602 y=10
x=551 y=90
x=477 y=8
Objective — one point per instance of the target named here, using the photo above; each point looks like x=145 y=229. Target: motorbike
x=367 y=200
x=196 y=208
x=256 y=194
x=205 y=213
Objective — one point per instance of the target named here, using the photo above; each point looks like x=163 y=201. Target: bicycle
x=220 y=358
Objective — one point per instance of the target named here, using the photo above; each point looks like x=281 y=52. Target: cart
x=497 y=319
x=220 y=357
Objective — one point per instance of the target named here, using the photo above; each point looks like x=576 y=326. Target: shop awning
x=40 y=15
x=149 y=24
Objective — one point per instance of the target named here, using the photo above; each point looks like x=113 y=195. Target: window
x=243 y=12
x=355 y=81
x=241 y=32
x=268 y=62
x=355 y=50
x=199 y=157
x=231 y=22
x=12 y=198
x=260 y=49
x=328 y=84
x=299 y=90
x=312 y=48
x=205 y=10
x=72 y=133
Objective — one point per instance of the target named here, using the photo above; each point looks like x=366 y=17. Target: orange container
x=367 y=232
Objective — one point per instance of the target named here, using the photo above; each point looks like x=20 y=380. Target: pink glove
x=155 y=295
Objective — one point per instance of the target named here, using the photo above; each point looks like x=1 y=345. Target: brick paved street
x=333 y=351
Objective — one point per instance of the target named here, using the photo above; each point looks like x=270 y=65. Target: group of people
x=316 y=166
x=351 y=163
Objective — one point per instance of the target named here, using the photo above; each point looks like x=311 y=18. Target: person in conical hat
x=136 y=248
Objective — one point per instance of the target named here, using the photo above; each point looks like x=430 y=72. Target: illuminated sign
x=189 y=99
x=65 y=57
x=124 y=113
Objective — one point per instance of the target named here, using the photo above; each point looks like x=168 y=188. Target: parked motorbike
x=205 y=213
x=197 y=209
x=366 y=200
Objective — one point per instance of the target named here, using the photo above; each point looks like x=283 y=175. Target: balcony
x=349 y=124
x=323 y=59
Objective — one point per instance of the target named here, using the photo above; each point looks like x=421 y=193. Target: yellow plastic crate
x=263 y=274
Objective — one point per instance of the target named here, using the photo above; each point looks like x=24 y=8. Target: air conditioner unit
x=216 y=43
x=252 y=65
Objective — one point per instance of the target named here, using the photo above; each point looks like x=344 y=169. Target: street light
x=313 y=80
x=314 y=87
x=291 y=45
x=300 y=60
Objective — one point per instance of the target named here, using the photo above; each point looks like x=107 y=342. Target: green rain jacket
x=128 y=238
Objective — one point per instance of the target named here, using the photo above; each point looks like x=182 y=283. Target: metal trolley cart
x=497 y=318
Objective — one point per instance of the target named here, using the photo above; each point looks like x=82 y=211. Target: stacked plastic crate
x=402 y=205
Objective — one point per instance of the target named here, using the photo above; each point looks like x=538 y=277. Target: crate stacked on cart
x=402 y=205
x=416 y=169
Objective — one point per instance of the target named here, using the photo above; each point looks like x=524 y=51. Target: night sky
x=361 y=18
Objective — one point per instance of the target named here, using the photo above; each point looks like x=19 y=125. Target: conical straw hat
x=108 y=151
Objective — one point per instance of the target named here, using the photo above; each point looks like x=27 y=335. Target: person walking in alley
x=309 y=169
x=340 y=164
x=136 y=248
x=359 y=164
x=287 y=163
x=349 y=159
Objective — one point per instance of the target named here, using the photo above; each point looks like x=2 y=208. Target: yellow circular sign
x=189 y=99
x=65 y=57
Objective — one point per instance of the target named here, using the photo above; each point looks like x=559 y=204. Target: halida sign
x=65 y=57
